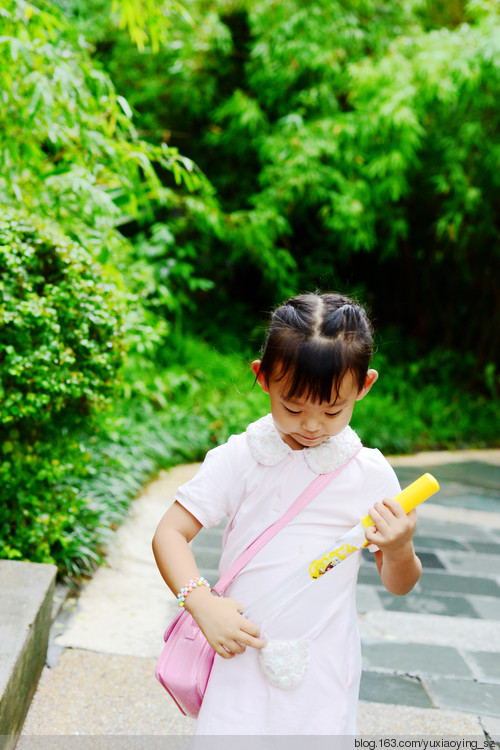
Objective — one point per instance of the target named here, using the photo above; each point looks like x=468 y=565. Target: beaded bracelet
x=185 y=590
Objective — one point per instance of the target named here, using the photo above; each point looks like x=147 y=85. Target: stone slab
x=391 y=720
x=487 y=548
x=454 y=496
x=458 y=632
x=368 y=575
x=430 y=604
x=395 y=689
x=26 y=595
x=468 y=471
x=416 y=658
x=486 y=607
x=428 y=559
x=448 y=527
x=479 y=564
x=367 y=599
x=491 y=725
x=465 y=695
x=436 y=581
x=495 y=534
x=206 y=558
x=212 y=536
x=437 y=543
x=487 y=665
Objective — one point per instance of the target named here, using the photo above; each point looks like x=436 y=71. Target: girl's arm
x=227 y=631
x=398 y=566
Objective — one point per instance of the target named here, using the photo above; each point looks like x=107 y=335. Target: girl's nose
x=310 y=424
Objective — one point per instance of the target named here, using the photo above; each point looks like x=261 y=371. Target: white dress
x=252 y=480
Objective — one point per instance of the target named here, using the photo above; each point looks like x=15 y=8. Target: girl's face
x=303 y=423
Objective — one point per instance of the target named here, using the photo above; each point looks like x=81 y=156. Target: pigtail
x=314 y=340
x=348 y=318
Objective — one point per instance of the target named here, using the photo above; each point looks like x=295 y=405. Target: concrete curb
x=26 y=593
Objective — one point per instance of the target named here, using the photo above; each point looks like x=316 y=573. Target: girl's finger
x=250 y=628
x=412 y=517
x=371 y=535
x=395 y=507
x=378 y=514
x=235 y=647
x=223 y=651
x=253 y=642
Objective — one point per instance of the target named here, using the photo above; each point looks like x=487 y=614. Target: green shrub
x=61 y=345
x=61 y=328
x=441 y=401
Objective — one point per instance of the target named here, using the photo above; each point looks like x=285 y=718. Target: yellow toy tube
x=413 y=495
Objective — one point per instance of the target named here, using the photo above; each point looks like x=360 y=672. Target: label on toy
x=319 y=567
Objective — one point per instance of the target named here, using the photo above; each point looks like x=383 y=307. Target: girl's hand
x=397 y=564
x=393 y=529
x=222 y=624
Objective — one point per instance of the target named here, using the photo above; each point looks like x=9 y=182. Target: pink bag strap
x=313 y=489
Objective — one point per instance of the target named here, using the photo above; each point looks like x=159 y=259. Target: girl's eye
x=332 y=415
x=290 y=411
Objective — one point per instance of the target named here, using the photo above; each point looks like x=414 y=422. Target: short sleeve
x=211 y=495
x=382 y=480
x=382 y=477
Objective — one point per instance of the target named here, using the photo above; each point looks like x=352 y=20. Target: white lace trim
x=268 y=448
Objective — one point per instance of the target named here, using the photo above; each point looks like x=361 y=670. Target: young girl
x=315 y=367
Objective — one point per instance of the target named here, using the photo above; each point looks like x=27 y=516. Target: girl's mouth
x=310 y=439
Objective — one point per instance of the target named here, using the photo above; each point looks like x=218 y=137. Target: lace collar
x=268 y=448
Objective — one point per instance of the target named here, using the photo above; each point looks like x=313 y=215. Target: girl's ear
x=260 y=377
x=371 y=377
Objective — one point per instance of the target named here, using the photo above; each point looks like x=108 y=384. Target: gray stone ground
x=431 y=660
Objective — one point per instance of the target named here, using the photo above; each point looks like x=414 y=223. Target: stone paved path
x=431 y=660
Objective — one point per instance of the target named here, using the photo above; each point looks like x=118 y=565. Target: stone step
x=26 y=597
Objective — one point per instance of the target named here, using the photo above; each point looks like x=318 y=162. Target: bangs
x=312 y=370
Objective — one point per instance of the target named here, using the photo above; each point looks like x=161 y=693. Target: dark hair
x=313 y=341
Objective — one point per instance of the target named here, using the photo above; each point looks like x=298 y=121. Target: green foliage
x=147 y=21
x=61 y=347
x=195 y=380
x=335 y=131
x=422 y=405
x=44 y=516
x=76 y=169
x=61 y=327
x=167 y=260
x=69 y=148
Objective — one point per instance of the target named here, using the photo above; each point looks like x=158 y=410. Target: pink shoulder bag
x=186 y=661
